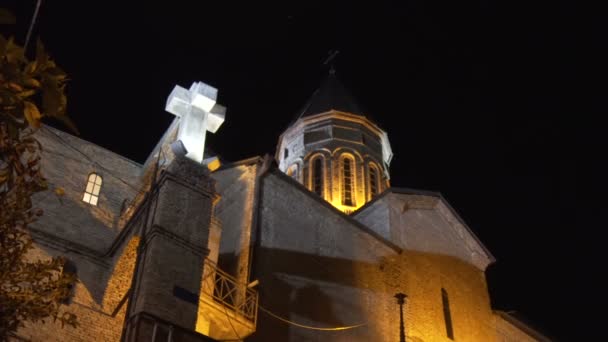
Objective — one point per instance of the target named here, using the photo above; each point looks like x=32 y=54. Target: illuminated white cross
x=199 y=113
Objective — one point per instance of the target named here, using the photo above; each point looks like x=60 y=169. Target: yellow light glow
x=120 y=280
x=344 y=208
x=214 y=165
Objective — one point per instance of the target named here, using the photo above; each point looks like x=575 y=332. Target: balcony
x=149 y=328
x=227 y=309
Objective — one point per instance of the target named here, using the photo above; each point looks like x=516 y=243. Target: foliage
x=29 y=91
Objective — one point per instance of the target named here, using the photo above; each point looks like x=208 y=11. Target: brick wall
x=318 y=268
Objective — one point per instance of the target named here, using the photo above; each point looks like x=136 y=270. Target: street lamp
x=401 y=300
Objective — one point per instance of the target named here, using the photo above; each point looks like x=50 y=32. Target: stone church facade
x=312 y=244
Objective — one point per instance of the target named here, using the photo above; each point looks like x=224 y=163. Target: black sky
x=471 y=94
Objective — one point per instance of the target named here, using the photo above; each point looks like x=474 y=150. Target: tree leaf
x=15 y=87
x=69 y=123
x=26 y=94
x=32 y=83
x=14 y=52
x=31 y=67
x=6 y=17
x=32 y=114
x=41 y=57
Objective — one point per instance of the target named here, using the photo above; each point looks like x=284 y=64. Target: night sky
x=471 y=94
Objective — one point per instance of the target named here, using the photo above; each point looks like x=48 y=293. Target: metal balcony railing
x=225 y=290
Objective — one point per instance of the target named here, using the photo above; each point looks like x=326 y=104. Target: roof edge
x=246 y=161
x=523 y=326
x=275 y=170
x=409 y=191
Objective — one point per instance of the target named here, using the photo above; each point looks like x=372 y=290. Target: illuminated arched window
x=91 y=193
x=348 y=181
x=317 y=176
x=374 y=180
x=292 y=171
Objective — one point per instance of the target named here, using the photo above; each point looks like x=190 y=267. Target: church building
x=310 y=244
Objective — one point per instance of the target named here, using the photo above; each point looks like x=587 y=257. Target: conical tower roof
x=331 y=95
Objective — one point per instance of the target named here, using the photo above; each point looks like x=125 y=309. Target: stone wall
x=88 y=236
x=320 y=268
x=98 y=296
x=235 y=210
x=104 y=253
x=423 y=221
x=332 y=136
x=67 y=162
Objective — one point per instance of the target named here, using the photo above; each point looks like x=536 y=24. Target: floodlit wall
x=67 y=163
x=423 y=221
x=320 y=268
x=235 y=211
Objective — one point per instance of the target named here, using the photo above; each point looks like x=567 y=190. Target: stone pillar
x=174 y=246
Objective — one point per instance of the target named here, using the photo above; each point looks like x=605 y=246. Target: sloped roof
x=408 y=191
x=331 y=95
x=522 y=324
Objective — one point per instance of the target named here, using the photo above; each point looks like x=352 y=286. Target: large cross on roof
x=198 y=112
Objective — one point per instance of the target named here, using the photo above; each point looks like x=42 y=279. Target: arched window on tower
x=292 y=171
x=91 y=192
x=317 y=176
x=374 y=180
x=348 y=181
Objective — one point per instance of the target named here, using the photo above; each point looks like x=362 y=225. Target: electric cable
x=32 y=23
x=232 y=326
x=307 y=326
x=65 y=143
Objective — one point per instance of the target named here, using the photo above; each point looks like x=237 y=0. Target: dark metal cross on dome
x=330 y=60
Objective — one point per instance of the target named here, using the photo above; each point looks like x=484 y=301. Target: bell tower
x=334 y=150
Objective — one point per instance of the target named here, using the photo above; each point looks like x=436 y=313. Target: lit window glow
x=91 y=193
x=347 y=182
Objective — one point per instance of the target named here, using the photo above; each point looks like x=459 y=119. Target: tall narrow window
x=347 y=182
x=373 y=180
x=317 y=176
x=447 y=316
x=91 y=193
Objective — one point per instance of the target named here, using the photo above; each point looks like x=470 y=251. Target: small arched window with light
x=91 y=192
x=348 y=180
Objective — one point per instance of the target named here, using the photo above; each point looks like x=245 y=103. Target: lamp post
x=401 y=300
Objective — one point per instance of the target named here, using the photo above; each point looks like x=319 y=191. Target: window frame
x=352 y=180
x=317 y=174
x=92 y=189
x=373 y=167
